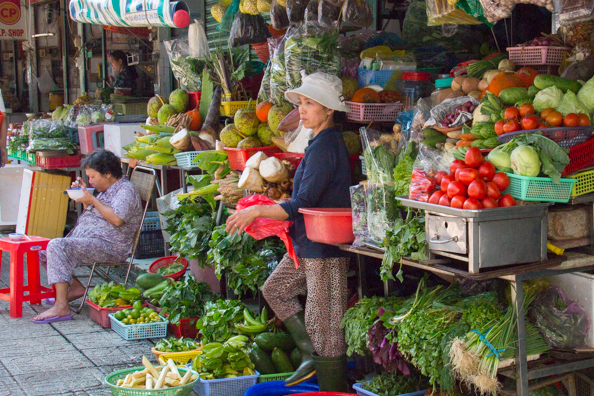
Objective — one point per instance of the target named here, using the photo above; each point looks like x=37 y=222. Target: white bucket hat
x=324 y=88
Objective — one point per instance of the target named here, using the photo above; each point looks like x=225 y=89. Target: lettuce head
x=548 y=97
x=571 y=104
x=586 y=95
x=525 y=161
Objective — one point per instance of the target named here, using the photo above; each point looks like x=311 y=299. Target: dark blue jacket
x=322 y=180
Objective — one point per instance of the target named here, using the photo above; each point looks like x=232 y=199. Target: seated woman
x=104 y=232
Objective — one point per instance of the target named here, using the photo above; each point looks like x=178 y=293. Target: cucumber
x=532 y=91
x=269 y=341
x=281 y=361
x=510 y=96
x=543 y=81
x=261 y=360
x=296 y=357
x=147 y=280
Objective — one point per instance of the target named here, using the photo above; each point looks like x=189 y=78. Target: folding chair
x=144 y=180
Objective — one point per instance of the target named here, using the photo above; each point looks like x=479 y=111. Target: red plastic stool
x=15 y=294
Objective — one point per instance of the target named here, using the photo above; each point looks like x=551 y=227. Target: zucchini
x=296 y=357
x=543 y=81
x=281 y=361
x=261 y=360
x=269 y=341
x=510 y=96
x=148 y=280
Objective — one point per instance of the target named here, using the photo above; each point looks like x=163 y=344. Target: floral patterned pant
x=325 y=282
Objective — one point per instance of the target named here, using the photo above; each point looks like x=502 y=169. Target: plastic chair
x=144 y=180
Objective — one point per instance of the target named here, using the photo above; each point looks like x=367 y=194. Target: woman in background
x=125 y=76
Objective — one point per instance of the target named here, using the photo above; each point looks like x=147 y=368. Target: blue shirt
x=322 y=180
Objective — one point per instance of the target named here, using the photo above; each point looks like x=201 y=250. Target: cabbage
x=525 y=161
x=97 y=116
x=501 y=159
x=586 y=94
x=548 y=97
x=83 y=119
x=571 y=104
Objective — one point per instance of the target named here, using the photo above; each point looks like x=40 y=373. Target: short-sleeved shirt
x=124 y=199
x=125 y=79
x=322 y=180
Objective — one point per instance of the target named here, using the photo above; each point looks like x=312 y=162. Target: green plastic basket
x=112 y=380
x=584 y=183
x=274 y=377
x=539 y=188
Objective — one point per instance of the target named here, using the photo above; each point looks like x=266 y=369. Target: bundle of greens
x=390 y=384
x=19 y=143
x=110 y=295
x=219 y=320
x=176 y=345
x=186 y=299
x=227 y=67
x=51 y=144
x=45 y=128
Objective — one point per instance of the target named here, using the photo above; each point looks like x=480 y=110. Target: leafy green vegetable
x=188 y=71
x=185 y=299
x=175 y=345
x=586 y=95
x=107 y=295
x=548 y=97
x=571 y=104
x=210 y=161
x=390 y=384
x=51 y=144
x=230 y=359
x=170 y=269
x=219 y=320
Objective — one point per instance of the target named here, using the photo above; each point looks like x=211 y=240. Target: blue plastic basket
x=186 y=159
x=139 y=331
x=151 y=222
x=360 y=391
x=235 y=386
x=380 y=77
x=278 y=388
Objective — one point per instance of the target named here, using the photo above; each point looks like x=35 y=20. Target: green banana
x=251 y=329
x=264 y=316
x=249 y=319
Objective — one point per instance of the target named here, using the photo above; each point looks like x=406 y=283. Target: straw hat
x=324 y=88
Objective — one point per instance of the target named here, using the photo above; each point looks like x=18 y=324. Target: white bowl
x=15 y=236
x=77 y=193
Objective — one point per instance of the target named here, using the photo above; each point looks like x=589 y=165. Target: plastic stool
x=15 y=294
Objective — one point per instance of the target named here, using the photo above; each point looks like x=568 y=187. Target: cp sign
x=10 y=13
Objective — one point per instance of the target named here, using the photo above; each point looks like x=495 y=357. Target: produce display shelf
x=537 y=55
x=539 y=188
x=139 y=331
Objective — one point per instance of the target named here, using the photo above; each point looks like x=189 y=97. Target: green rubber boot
x=332 y=373
x=296 y=326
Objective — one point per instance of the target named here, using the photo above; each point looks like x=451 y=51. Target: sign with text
x=13 y=20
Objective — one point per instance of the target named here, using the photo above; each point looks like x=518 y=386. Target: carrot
x=468 y=136
x=463 y=143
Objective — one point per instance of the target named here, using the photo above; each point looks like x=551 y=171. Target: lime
x=132 y=321
x=125 y=321
x=135 y=314
x=137 y=305
x=119 y=315
x=126 y=312
x=150 y=311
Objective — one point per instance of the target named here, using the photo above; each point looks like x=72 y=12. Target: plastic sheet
x=186 y=69
x=359 y=207
x=311 y=11
x=248 y=29
x=296 y=10
x=562 y=322
x=329 y=11
x=278 y=16
x=357 y=12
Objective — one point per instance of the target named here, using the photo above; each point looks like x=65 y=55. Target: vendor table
x=162 y=186
x=572 y=262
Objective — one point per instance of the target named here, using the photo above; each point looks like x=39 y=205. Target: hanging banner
x=131 y=13
x=13 y=20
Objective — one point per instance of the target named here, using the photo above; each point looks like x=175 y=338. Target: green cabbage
x=501 y=159
x=586 y=95
x=571 y=104
x=97 y=116
x=548 y=97
x=525 y=161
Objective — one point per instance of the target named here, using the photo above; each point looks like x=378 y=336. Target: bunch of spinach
x=185 y=299
x=219 y=320
x=390 y=384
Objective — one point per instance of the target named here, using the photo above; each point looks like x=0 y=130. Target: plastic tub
x=185 y=328
x=329 y=225
x=100 y=315
x=278 y=388
x=165 y=261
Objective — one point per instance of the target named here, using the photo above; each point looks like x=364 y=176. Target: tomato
x=445 y=181
x=472 y=204
x=466 y=175
x=486 y=171
x=477 y=189
x=571 y=120
x=543 y=125
x=439 y=175
x=512 y=113
x=456 y=188
x=456 y=164
x=545 y=113
x=501 y=180
x=473 y=157
x=493 y=191
x=489 y=203
x=499 y=127
x=434 y=198
x=530 y=122
x=444 y=200
x=584 y=119
x=507 y=200
x=457 y=175
x=527 y=110
x=511 y=126
x=458 y=201
x=554 y=118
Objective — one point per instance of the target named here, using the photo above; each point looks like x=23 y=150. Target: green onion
x=478 y=69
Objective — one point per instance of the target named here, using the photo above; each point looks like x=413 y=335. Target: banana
x=251 y=329
x=249 y=319
x=264 y=316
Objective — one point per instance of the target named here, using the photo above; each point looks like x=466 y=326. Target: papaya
x=281 y=361
x=269 y=341
x=366 y=95
x=148 y=280
x=261 y=360
x=296 y=357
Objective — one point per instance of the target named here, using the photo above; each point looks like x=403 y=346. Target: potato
x=454 y=95
x=490 y=75
x=483 y=85
x=475 y=94
x=457 y=83
x=443 y=94
x=470 y=84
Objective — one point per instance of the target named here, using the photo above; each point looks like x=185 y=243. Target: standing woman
x=322 y=180
x=125 y=76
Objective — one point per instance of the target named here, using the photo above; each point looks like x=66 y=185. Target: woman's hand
x=241 y=219
x=79 y=183
x=87 y=198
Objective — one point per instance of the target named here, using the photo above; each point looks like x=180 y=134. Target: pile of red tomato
x=525 y=118
x=471 y=184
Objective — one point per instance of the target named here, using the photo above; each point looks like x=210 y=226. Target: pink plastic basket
x=537 y=55
x=378 y=112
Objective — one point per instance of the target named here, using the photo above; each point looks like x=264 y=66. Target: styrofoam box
x=579 y=286
x=118 y=135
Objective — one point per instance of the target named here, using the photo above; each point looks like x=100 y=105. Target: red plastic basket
x=537 y=55
x=378 y=112
x=566 y=137
x=580 y=157
x=165 y=261
x=100 y=315
x=329 y=225
x=71 y=161
x=184 y=328
x=262 y=51
x=238 y=157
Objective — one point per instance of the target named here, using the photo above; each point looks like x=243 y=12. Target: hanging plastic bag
x=357 y=12
x=296 y=10
x=228 y=17
x=429 y=161
x=278 y=75
x=45 y=83
x=359 y=207
x=311 y=11
x=278 y=16
x=186 y=68
x=197 y=41
x=562 y=322
x=329 y=11
x=298 y=140
x=263 y=228
x=248 y=29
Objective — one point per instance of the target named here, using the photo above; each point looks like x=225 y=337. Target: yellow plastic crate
x=584 y=184
x=229 y=109
x=180 y=358
x=131 y=108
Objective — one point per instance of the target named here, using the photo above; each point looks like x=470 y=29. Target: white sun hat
x=324 y=88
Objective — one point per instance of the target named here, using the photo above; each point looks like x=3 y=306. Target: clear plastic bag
x=186 y=69
x=562 y=322
x=429 y=161
x=264 y=92
x=278 y=16
x=83 y=118
x=359 y=206
x=310 y=48
x=248 y=29
x=197 y=41
x=298 y=140
x=357 y=12
x=422 y=112
x=311 y=11
x=278 y=75
x=44 y=128
x=108 y=112
x=296 y=10
x=329 y=11
x=441 y=110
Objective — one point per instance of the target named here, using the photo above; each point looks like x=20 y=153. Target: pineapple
x=217 y=11
x=264 y=5
x=249 y=7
